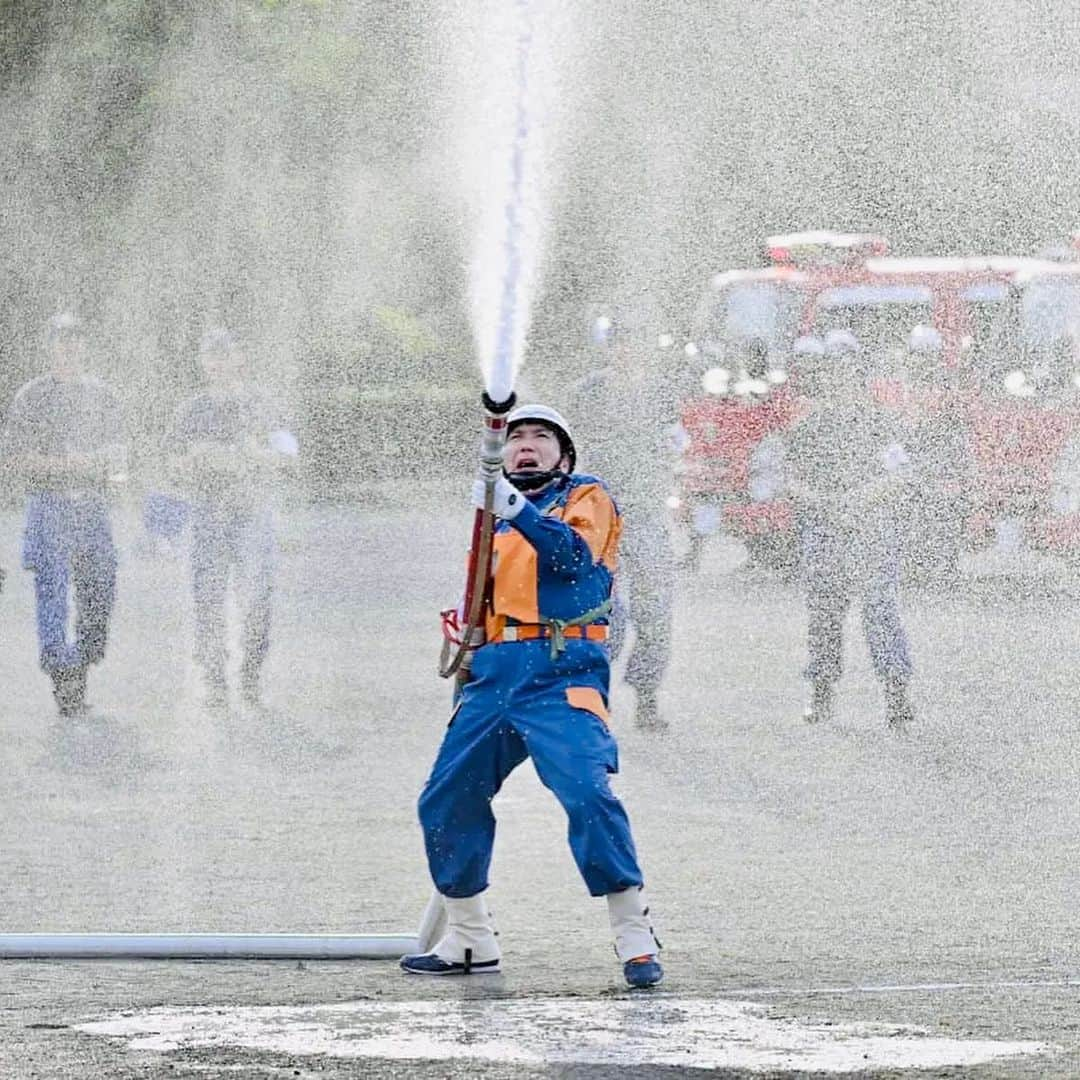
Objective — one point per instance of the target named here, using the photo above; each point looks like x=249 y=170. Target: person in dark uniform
x=848 y=476
x=633 y=388
x=65 y=435
x=937 y=430
x=228 y=445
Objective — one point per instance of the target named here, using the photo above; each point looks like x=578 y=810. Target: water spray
x=498 y=398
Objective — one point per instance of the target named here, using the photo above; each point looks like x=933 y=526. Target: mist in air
x=393 y=207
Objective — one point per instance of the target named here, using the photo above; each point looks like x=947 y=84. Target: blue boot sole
x=430 y=964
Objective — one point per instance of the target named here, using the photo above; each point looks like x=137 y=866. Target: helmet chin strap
x=533 y=481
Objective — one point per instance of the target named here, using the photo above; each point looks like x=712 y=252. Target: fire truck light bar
x=823 y=248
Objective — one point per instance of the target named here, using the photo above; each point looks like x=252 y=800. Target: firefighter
x=848 y=475
x=539 y=689
x=633 y=386
x=937 y=438
x=228 y=445
x=65 y=437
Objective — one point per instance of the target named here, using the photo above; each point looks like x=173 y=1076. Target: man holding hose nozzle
x=538 y=688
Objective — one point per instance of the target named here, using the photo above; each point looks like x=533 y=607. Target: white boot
x=469 y=927
x=629 y=916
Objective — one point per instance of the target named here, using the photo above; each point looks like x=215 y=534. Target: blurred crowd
x=851 y=462
x=66 y=445
x=852 y=459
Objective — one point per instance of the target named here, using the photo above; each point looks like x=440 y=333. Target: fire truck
x=1025 y=418
x=999 y=379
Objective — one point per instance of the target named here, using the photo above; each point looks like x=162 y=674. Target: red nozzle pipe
x=495 y=413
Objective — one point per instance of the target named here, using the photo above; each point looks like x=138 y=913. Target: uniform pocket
x=588 y=698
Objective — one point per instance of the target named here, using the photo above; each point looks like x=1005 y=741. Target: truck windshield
x=1050 y=310
x=880 y=316
x=991 y=346
x=757 y=311
x=750 y=326
x=1032 y=328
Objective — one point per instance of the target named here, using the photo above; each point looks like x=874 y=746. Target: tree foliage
x=269 y=164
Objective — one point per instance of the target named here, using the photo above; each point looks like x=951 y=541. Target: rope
x=558 y=626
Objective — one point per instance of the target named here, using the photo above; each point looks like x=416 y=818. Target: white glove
x=508 y=500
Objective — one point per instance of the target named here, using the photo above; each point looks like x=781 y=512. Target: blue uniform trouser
x=68 y=545
x=647 y=585
x=518 y=706
x=838 y=566
x=226 y=545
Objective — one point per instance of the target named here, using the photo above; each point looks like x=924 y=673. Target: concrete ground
x=831 y=899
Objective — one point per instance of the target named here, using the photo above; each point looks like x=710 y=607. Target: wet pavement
x=820 y=891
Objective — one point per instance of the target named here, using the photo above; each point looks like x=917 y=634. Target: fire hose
x=461 y=641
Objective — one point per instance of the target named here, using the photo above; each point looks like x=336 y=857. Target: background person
x=65 y=435
x=632 y=391
x=937 y=435
x=228 y=448
x=848 y=475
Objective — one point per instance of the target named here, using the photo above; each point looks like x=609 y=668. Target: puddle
x=703 y=1034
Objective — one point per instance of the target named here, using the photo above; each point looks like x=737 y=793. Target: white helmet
x=924 y=339
x=808 y=345
x=838 y=342
x=64 y=325
x=549 y=417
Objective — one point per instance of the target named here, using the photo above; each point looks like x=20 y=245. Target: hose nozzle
x=498 y=408
x=491 y=447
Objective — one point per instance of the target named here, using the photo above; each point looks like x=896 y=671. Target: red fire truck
x=997 y=375
x=1025 y=417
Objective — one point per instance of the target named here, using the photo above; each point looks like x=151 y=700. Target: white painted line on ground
x=656 y=1030
x=905 y=988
